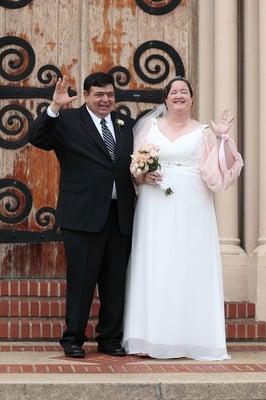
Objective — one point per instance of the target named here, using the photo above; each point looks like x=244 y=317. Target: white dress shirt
x=97 y=123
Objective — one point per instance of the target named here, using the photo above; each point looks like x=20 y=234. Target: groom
x=95 y=205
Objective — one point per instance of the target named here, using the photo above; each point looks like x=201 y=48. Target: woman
x=174 y=302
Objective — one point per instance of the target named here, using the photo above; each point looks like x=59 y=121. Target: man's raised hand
x=61 y=97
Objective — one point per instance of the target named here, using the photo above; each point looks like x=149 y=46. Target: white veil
x=142 y=127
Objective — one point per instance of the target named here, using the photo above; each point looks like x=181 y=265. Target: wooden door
x=143 y=43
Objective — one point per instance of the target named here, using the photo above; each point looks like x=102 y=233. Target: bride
x=174 y=298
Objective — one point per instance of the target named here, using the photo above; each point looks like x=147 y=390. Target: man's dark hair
x=98 y=79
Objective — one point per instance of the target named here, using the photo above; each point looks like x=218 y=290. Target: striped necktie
x=108 y=139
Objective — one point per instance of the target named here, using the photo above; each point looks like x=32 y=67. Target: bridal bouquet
x=146 y=159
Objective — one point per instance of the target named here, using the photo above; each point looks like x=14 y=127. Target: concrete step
x=31 y=371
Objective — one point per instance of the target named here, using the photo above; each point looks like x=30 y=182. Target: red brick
x=261 y=330
x=45 y=309
x=90 y=330
x=15 y=369
x=14 y=308
x=36 y=330
x=13 y=288
x=25 y=329
x=54 y=308
x=54 y=289
x=232 y=310
x=57 y=330
x=241 y=310
x=95 y=309
x=44 y=288
x=231 y=331
x=46 y=330
x=251 y=310
x=62 y=311
x=14 y=330
x=62 y=288
x=24 y=308
x=27 y=369
x=251 y=332
x=3 y=329
x=34 y=288
x=35 y=308
x=241 y=331
x=23 y=288
x=4 y=308
x=4 y=288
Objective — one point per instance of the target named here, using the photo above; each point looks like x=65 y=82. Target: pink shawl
x=216 y=170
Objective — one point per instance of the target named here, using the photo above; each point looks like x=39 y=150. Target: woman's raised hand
x=224 y=123
x=61 y=97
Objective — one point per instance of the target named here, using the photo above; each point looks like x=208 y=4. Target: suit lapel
x=88 y=125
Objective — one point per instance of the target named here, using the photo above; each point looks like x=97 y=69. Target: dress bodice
x=186 y=150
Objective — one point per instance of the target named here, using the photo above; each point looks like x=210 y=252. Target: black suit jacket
x=87 y=170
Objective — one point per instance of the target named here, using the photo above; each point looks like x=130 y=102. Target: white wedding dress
x=174 y=298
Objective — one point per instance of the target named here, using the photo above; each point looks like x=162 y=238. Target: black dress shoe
x=74 y=351
x=112 y=350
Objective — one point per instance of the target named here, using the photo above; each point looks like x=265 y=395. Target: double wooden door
x=143 y=43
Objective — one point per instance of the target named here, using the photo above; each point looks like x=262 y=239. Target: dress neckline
x=179 y=137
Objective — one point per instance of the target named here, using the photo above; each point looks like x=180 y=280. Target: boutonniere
x=120 y=122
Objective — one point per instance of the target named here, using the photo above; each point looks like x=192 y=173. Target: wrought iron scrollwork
x=15 y=201
x=14 y=3
x=17 y=61
x=158 y=7
x=14 y=124
x=154 y=72
x=20 y=56
x=45 y=217
x=49 y=74
x=121 y=75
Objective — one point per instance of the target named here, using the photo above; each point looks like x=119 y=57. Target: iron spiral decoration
x=45 y=217
x=15 y=201
x=121 y=75
x=14 y=3
x=14 y=123
x=20 y=58
x=49 y=74
x=158 y=7
x=155 y=72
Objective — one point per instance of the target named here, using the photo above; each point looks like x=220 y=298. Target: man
x=95 y=206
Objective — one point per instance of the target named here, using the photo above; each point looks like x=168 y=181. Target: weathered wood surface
x=78 y=37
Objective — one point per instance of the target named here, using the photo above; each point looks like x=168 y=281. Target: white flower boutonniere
x=120 y=122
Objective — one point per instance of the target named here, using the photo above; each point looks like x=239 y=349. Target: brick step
x=38 y=307
x=245 y=329
x=36 y=328
x=47 y=328
x=34 y=287
x=239 y=309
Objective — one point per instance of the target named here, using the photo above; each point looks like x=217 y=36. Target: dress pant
x=96 y=258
